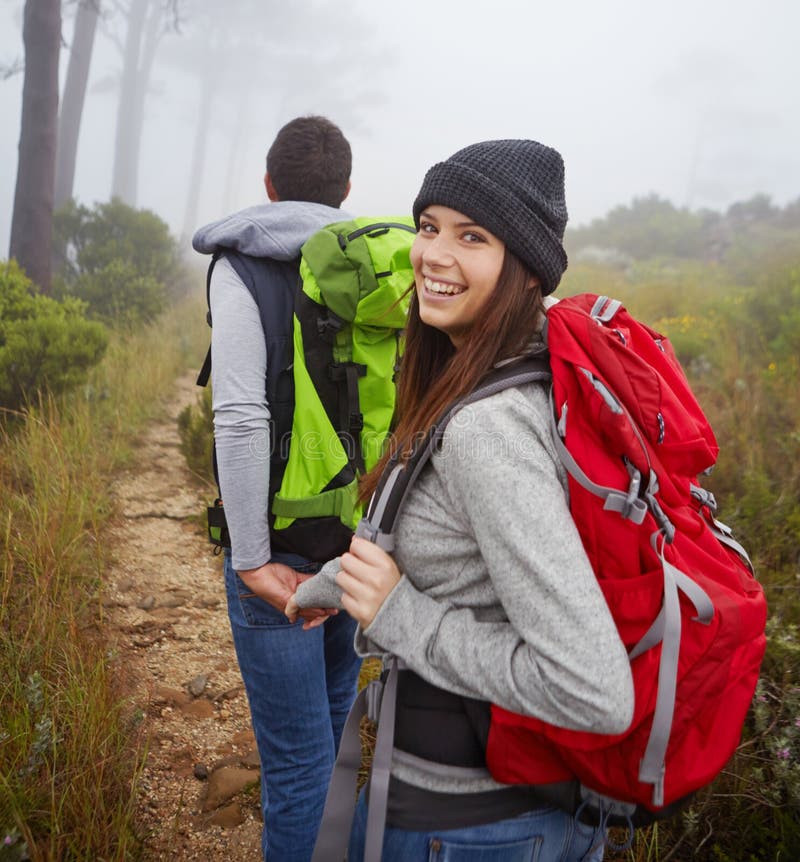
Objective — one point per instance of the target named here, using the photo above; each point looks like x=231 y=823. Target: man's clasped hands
x=368 y=574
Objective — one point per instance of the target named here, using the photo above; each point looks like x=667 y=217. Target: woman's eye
x=427 y=227
x=469 y=236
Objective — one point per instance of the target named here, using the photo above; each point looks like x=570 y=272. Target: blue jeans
x=543 y=835
x=300 y=685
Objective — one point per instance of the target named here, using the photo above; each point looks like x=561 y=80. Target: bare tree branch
x=174 y=17
x=10 y=70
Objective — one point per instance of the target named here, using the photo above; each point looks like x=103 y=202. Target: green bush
x=121 y=261
x=118 y=293
x=44 y=344
x=196 y=431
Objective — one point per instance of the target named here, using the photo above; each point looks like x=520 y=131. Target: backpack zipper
x=382 y=227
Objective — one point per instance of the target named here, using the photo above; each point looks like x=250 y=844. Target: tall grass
x=70 y=742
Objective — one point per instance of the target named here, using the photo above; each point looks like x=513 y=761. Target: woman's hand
x=368 y=575
x=313 y=616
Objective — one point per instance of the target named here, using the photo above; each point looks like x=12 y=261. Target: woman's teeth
x=438 y=287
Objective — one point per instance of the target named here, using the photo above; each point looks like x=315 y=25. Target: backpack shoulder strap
x=398 y=477
x=205 y=371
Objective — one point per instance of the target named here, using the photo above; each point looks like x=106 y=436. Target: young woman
x=488 y=596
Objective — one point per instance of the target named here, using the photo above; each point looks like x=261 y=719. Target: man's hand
x=276 y=584
x=368 y=575
x=313 y=616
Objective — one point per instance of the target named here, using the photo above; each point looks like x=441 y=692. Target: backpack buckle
x=374 y=696
x=356 y=422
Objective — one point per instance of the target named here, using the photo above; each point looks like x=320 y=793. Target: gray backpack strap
x=381 y=767
x=377 y=701
x=340 y=802
x=667 y=630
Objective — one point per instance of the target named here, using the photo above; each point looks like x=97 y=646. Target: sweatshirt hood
x=275 y=230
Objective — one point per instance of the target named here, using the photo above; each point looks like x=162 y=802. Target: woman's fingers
x=366 y=582
x=368 y=551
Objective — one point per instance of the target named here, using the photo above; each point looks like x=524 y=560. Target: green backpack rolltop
x=349 y=314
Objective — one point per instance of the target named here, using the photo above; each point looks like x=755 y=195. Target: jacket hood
x=275 y=230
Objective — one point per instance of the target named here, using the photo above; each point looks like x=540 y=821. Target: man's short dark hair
x=310 y=160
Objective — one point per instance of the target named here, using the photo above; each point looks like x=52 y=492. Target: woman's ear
x=533 y=282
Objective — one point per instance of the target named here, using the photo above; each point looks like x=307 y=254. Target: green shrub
x=196 y=431
x=119 y=294
x=121 y=261
x=44 y=344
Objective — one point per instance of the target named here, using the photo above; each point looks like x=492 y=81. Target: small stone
x=225 y=783
x=245 y=738
x=173 y=602
x=170 y=696
x=208 y=601
x=251 y=759
x=147 y=603
x=200 y=708
x=200 y=771
x=198 y=685
x=228 y=817
x=229 y=694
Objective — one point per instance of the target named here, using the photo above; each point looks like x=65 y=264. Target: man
x=300 y=684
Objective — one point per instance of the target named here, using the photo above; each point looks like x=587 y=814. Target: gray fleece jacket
x=239 y=362
x=497 y=599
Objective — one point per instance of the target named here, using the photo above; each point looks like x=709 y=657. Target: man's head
x=310 y=160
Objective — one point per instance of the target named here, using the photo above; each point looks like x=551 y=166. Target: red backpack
x=681 y=590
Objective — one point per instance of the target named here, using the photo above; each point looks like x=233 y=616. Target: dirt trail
x=166 y=599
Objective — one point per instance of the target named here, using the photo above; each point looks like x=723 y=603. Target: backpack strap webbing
x=351 y=420
x=205 y=372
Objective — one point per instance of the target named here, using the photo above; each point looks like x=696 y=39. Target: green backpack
x=349 y=313
x=349 y=317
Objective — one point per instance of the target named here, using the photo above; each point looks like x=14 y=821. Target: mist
x=695 y=102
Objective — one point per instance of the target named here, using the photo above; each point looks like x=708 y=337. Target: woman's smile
x=442 y=288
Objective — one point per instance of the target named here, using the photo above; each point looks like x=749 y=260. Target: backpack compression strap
x=205 y=371
x=377 y=526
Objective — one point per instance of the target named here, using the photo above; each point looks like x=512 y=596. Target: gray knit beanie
x=513 y=188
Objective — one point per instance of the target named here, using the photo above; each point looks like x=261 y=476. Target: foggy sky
x=695 y=100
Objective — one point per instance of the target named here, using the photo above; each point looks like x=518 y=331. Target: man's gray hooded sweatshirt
x=239 y=362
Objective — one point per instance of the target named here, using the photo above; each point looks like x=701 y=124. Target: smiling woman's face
x=456 y=266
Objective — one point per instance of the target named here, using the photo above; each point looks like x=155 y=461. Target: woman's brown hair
x=433 y=374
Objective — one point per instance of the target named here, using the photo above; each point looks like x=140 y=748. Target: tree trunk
x=240 y=134
x=152 y=36
x=69 y=120
x=198 y=165
x=126 y=147
x=32 y=222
